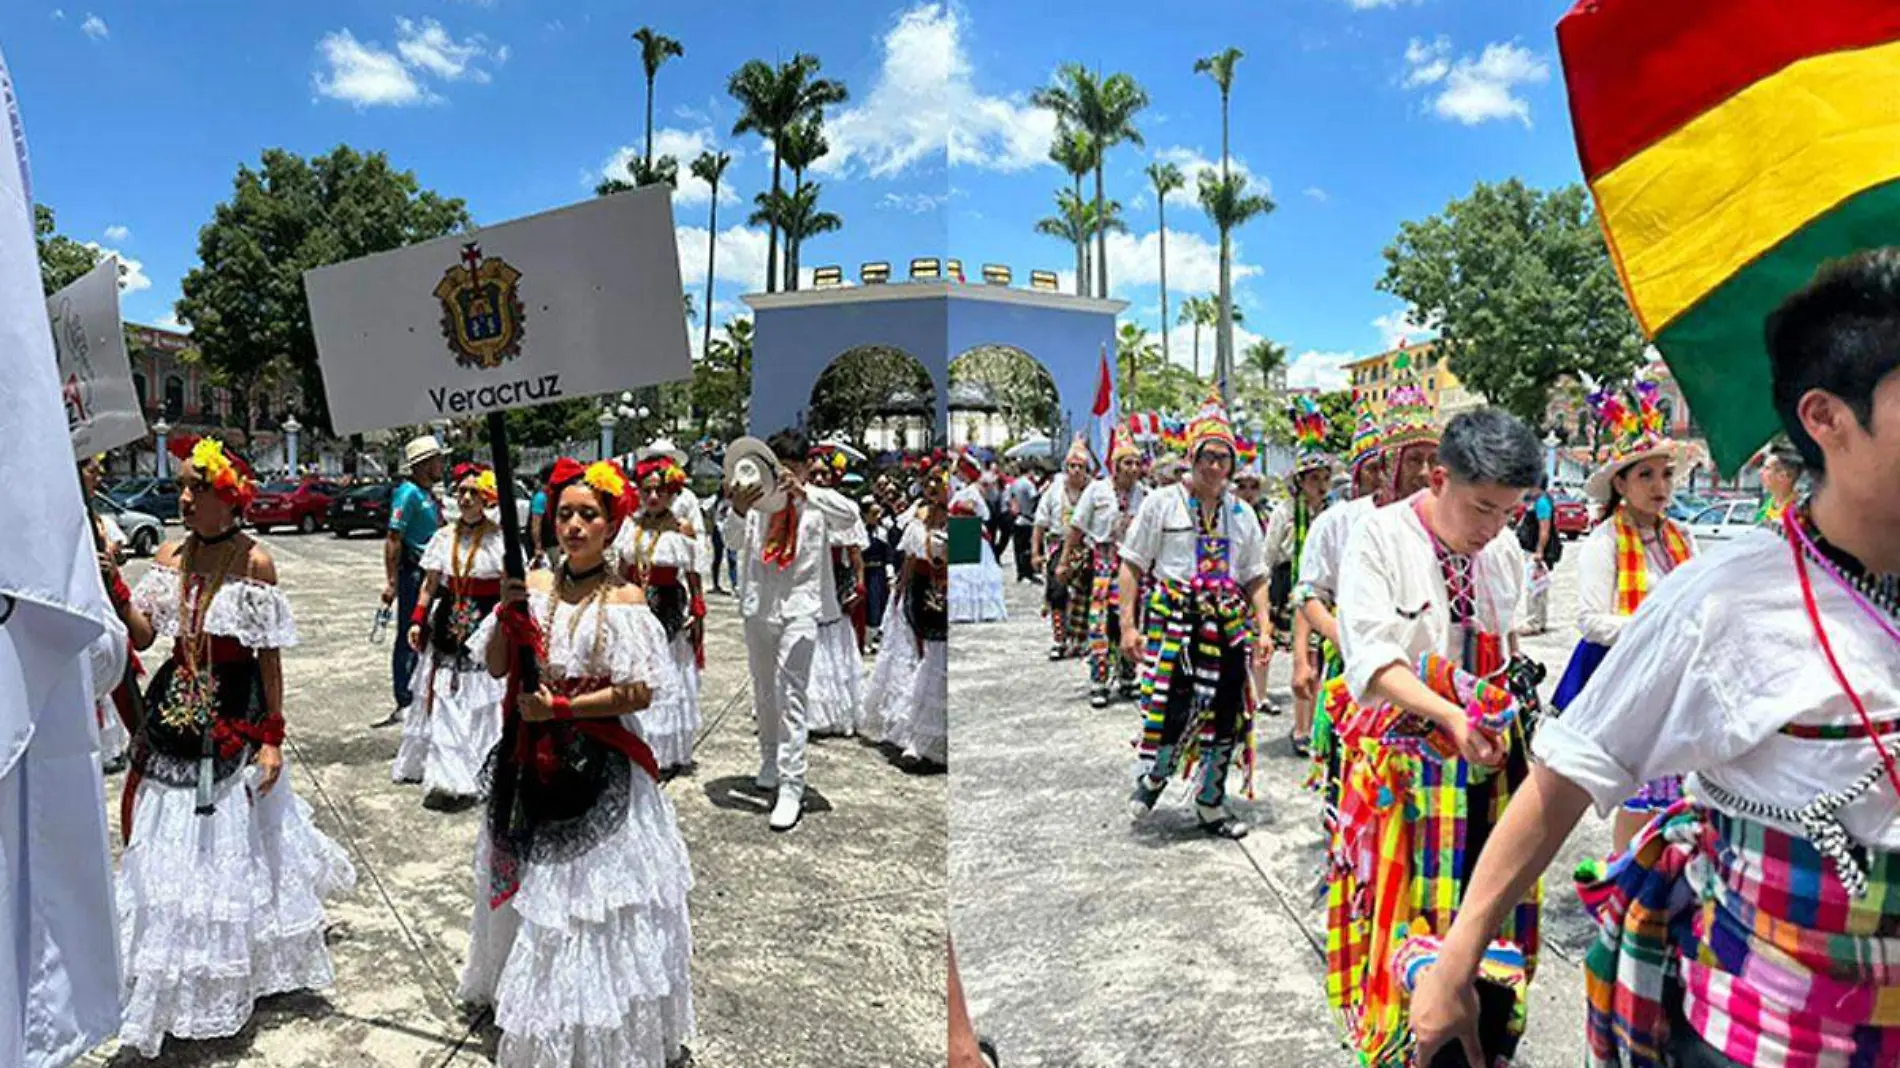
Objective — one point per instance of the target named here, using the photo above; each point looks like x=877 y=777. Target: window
x=174 y=398
x=138 y=386
x=1711 y=516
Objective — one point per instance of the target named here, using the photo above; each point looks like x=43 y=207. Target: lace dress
x=457 y=716
x=587 y=963
x=835 y=700
x=671 y=722
x=914 y=717
x=217 y=910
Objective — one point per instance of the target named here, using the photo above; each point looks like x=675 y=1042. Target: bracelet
x=563 y=707
x=699 y=607
x=420 y=617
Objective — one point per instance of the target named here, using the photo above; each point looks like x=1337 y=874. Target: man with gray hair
x=1432 y=574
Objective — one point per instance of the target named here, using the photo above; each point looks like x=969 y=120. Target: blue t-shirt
x=1544 y=508
x=412 y=511
x=539 y=506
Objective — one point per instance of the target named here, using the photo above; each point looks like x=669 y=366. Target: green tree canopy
x=851 y=393
x=1024 y=393
x=1520 y=286
x=63 y=261
x=245 y=299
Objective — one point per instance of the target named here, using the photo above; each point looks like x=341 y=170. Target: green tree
x=245 y=299
x=63 y=261
x=1166 y=178
x=1230 y=206
x=796 y=216
x=1340 y=420
x=1149 y=382
x=1105 y=108
x=1520 y=287
x=722 y=383
x=710 y=168
x=1074 y=151
x=1263 y=360
x=805 y=145
x=655 y=50
x=1220 y=67
x=848 y=395
x=771 y=100
x=1023 y=390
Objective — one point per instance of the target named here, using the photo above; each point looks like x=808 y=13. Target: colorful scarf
x=781 y=537
x=1632 y=560
x=1783 y=968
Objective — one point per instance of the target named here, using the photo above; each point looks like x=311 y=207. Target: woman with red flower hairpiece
x=457 y=716
x=655 y=551
x=223 y=873
x=580 y=938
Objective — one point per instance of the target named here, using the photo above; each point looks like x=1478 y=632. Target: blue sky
x=1356 y=114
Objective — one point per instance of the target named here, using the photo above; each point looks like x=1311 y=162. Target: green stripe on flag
x=1717 y=350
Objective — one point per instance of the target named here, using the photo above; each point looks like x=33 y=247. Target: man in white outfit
x=782 y=561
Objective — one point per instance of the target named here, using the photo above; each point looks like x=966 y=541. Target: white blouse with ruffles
x=256 y=613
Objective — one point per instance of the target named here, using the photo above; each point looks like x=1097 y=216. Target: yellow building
x=1376 y=376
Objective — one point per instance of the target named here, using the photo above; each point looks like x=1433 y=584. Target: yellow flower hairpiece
x=208 y=456
x=605 y=477
x=485 y=482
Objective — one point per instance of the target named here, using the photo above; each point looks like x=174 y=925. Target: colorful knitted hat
x=1409 y=419
x=1368 y=442
x=1121 y=443
x=1210 y=426
x=1309 y=434
x=1632 y=422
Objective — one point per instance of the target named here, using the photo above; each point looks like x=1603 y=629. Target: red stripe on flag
x=1104 y=389
x=1638 y=70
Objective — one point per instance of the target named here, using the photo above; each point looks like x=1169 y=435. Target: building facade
x=1375 y=377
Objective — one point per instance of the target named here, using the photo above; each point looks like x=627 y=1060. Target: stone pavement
x=822 y=947
x=1085 y=941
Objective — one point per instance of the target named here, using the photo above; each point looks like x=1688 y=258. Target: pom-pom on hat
x=1309 y=434
x=1632 y=422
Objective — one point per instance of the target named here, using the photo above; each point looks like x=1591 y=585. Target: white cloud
x=1193 y=163
x=1402 y=324
x=1473 y=90
x=1193 y=262
x=1325 y=371
x=914 y=203
x=1368 y=5
x=59 y=13
x=426 y=46
x=94 y=27
x=369 y=75
x=365 y=75
x=684 y=146
x=1316 y=193
x=117 y=234
x=740 y=259
x=924 y=106
x=132 y=277
x=170 y=321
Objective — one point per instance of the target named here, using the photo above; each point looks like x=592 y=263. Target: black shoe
x=1301 y=747
x=115 y=765
x=1098 y=699
x=1225 y=827
x=1142 y=800
x=1268 y=708
x=388 y=721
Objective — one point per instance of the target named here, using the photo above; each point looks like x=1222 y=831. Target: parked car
x=364 y=507
x=1723 y=521
x=153 y=496
x=304 y=505
x=1571 y=516
x=143 y=530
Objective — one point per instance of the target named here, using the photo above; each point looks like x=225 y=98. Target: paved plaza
x=1086 y=942
x=821 y=948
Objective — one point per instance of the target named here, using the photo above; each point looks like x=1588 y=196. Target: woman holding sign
x=223 y=875
x=580 y=938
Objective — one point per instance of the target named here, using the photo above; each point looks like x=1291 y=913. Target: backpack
x=1527 y=535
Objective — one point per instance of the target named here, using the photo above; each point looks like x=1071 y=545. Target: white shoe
x=790 y=807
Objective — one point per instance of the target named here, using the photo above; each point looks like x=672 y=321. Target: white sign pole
x=95 y=377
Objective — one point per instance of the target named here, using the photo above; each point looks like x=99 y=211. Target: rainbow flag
x=1733 y=146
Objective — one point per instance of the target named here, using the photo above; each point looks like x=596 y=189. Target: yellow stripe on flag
x=1701 y=204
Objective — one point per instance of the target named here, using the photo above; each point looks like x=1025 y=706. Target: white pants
x=780 y=655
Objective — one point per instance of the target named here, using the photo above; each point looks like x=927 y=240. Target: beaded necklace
x=193 y=695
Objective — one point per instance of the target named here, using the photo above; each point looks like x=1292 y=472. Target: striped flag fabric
x=1105 y=412
x=1733 y=146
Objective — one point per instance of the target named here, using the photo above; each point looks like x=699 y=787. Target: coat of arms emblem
x=482 y=315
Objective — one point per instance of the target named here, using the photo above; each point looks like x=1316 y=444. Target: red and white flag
x=1106 y=412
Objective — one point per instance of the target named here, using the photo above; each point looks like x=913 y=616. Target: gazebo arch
x=1009 y=387
x=798 y=335
x=877 y=396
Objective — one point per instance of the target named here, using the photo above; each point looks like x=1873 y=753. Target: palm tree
x=1220 y=67
x=655 y=50
x=1074 y=151
x=1199 y=312
x=710 y=168
x=1071 y=223
x=796 y=215
x=1228 y=203
x=1266 y=359
x=1166 y=178
x=770 y=101
x=1105 y=108
x=804 y=145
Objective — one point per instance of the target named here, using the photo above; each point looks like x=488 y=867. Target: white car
x=1723 y=521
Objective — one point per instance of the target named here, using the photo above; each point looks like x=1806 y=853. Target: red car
x=304 y=505
x=1570 y=515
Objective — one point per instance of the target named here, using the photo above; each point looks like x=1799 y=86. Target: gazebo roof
x=971 y=396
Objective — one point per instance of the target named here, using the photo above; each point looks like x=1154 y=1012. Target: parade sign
x=574 y=302
x=95 y=378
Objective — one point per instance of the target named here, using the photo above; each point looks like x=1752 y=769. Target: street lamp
x=1550 y=458
x=160 y=430
x=291 y=429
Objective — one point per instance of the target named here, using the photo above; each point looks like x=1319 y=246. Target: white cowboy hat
x=663 y=447
x=1598 y=486
x=749 y=463
x=419 y=450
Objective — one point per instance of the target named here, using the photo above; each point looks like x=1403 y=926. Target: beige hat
x=420 y=449
x=663 y=447
x=750 y=463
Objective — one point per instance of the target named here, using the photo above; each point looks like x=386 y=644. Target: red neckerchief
x=781 y=536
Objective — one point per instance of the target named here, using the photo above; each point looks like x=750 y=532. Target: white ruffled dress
x=456 y=718
x=588 y=965
x=834 y=701
x=671 y=723
x=914 y=709
x=976 y=590
x=217 y=911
